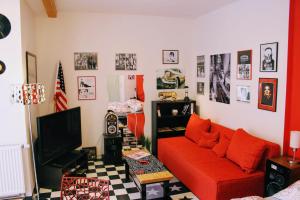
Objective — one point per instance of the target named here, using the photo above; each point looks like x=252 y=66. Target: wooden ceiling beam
x=50 y=8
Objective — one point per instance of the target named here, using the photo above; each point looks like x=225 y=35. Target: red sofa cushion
x=195 y=126
x=208 y=140
x=245 y=150
x=221 y=148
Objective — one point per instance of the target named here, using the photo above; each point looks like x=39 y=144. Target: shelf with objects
x=169 y=119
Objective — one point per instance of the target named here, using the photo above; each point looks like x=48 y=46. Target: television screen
x=58 y=133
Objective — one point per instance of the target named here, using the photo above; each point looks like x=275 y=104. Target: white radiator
x=11 y=171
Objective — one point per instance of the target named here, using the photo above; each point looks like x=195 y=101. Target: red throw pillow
x=195 y=126
x=208 y=140
x=245 y=150
x=221 y=148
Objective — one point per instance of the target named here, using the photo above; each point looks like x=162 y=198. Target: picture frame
x=31 y=68
x=86 y=87
x=91 y=152
x=267 y=94
x=170 y=56
x=267 y=52
x=201 y=66
x=243 y=93
x=126 y=61
x=200 y=88
x=170 y=78
x=244 y=65
x=85 y=61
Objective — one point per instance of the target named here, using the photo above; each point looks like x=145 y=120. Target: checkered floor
x=120 y=189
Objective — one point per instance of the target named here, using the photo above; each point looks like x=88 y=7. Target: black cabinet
x=280 y=174
x=169 y=119
x=72 y=163
x=112 y=149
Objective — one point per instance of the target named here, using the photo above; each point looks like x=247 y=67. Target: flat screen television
x=58 y=133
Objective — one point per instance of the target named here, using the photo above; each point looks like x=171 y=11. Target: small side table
x=112 y=149
x=280 y=174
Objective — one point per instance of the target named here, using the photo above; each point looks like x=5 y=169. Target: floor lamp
x=29 y=94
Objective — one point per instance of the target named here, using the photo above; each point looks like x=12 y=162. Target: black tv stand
x=49 y=175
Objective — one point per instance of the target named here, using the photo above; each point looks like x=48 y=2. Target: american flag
x=60 y=98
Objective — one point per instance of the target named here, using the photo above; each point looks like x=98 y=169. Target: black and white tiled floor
x=120 y=189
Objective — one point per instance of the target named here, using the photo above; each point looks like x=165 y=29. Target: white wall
x=240 y=26
x=28 y=44
x=58 y=39
x=12 y=116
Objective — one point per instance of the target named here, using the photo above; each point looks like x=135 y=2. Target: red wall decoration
x=292 y=113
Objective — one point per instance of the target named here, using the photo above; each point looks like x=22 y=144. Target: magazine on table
x=138 y=155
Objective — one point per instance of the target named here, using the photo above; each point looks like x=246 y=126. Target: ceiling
x=166 y=8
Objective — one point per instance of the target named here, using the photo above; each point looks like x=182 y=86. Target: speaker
x=279 y=175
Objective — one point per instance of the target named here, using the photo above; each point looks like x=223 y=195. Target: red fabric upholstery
x=195 y=126
x=208 y=176
x=208 y=140
x=245 y=150
x=221 y=148
x=135 y=123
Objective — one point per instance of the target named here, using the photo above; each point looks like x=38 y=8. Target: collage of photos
x=219 y=76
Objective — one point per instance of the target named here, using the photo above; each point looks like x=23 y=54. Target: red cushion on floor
x=208 y=140
x=245 y=150
x=221 y=148
x=195 y=126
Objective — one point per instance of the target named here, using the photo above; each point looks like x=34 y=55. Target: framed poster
x=126 y=61
x=268 y=57
x=31 y=68
x=244 y=65
x=170 y=78
x=85 y=61
x=243 y=93
x=267 y=94
x=219 y=78
x=201 y=66
x=86 y=87
x=170 y=56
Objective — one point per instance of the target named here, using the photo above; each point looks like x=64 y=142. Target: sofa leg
x=143 y=193
x=166 y=189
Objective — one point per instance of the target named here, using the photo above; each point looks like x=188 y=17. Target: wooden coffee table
x=146 y=170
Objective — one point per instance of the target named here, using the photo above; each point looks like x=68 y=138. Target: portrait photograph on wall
x=243 y=93
x=85 y=61
x=201 y=66
x=219 y=78
x=267 y=94
x=268 y=57
x=126 y=61
x=170 y=56
x=86 y=87
x=244 y=65
x=200 y=88
x=171 y=78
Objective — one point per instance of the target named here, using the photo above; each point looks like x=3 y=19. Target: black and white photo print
x=244 y=65
x=126 y=61
x=268 y=57
x=200 y=66
x=85 y=61
x=200 y=88
x=243 y=93
x=219 y=78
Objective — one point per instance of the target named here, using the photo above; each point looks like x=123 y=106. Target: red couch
x=208 y=176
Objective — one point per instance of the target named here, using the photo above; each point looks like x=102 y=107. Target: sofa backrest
x=222 y=130
x=272 y=149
